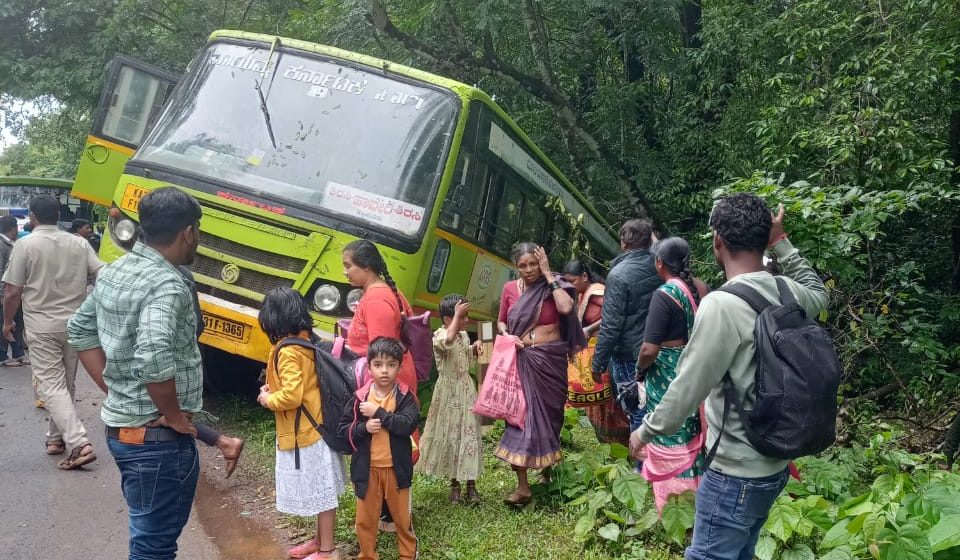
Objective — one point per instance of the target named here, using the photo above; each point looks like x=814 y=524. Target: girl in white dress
x=310 y=476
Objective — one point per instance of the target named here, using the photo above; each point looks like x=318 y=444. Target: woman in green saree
x=673 y=463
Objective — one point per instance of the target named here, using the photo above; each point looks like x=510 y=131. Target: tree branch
x=246 y=11
x=492 y=65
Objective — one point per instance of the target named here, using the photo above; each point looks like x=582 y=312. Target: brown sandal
x=517 y=500
x=56 y=447
x=80 y=456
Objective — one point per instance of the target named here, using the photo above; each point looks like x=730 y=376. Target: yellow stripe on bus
x=110 y=145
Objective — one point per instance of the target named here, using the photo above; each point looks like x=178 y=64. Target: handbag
x=416 y=336
x=501 y=395
x=582 y=390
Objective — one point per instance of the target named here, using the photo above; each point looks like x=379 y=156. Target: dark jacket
x=6 y=247
x=400 y=423
x=626 y=301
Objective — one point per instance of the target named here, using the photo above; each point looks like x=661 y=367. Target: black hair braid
x=393 y=286
x=686 y=275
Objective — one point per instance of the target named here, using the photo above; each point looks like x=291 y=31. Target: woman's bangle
x=555 y=285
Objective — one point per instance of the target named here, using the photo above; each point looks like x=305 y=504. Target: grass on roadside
x=488 y=530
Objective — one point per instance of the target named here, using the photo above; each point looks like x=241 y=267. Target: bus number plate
x=131 y=197
x=224 y=328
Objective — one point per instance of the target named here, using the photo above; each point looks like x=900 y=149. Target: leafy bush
x=911 y=510
x=877 y=502
x=889 y=325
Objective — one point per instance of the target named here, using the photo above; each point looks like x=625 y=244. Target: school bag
x=337 y=387
x=798 y=374
x=415 y=335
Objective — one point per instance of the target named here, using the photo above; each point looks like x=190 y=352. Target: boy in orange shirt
x=379 y=425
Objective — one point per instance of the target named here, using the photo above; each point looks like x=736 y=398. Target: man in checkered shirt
x=136 y=336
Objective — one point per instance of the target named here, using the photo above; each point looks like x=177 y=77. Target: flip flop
x=518 y=501
x=80 y=456
x=304 y=549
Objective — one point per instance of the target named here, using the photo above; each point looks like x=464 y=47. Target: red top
x=378 y=314
x=509 y=296
x=594 y=310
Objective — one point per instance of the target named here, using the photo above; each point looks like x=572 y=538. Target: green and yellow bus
x=294 y=149
x=16 y=192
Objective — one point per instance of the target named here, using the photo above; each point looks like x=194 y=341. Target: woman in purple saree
x=538 y=311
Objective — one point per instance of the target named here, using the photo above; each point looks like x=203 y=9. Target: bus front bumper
x=235 y=329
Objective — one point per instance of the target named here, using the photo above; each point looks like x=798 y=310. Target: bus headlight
x=125 y=231
x=326 y=298
x=353 y=299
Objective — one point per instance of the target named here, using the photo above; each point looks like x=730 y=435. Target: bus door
x=132 y=99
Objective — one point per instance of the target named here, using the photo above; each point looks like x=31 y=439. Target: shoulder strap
x=729 y=396
x=291 y=341
x=786 y=294
x=296 y=341
x=756 y=301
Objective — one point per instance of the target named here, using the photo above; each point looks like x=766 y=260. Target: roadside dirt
x=239 y=513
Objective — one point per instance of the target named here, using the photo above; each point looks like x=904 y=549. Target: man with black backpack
x=754 y=428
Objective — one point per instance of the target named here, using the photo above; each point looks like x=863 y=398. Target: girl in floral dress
x=451 y=446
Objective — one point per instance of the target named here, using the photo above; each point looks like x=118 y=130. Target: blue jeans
x=730 y=513
x=624 y=377
x=15 y=347
x=159 y=481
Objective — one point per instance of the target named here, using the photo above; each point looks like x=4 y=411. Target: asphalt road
x=64 y=515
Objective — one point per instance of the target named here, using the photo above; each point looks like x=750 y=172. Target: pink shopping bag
x=501 y=395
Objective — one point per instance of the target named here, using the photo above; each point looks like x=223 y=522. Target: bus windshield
x=346 y=141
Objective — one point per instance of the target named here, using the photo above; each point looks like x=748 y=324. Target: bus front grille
x=248 y=279
x=241 y=251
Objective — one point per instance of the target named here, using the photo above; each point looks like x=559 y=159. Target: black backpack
x=337 y=388
x=798 y=374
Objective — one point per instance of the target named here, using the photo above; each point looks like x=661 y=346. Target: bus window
x=534 y=223
x=507 y=223
x=474 y=202
x=133 y=104
x=559 y=244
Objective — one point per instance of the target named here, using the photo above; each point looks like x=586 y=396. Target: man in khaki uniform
x=48 y=273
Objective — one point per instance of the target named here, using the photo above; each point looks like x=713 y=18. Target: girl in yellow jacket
x=310 y=476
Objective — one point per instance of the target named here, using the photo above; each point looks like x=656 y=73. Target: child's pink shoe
x=332 y=554
x=304 y=549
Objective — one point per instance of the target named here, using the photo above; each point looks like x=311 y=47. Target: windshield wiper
x=259 y=87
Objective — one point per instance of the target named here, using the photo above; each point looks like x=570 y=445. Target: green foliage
x=840 y=109
x=905 y=513
x=678 y=514
x=884 y=319
x=859 y=503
